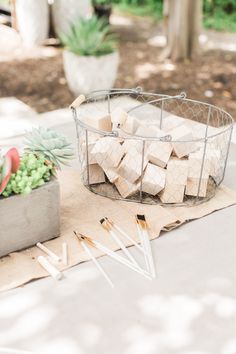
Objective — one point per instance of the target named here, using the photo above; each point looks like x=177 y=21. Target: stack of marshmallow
x=167 y=169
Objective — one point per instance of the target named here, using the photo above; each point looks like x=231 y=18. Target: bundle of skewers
x=143 y=246
x=88 y=244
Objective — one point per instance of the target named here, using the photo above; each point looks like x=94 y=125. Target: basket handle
x=77 y=102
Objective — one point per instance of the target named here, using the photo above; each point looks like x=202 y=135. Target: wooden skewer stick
x=48 y=252
x=140 y=234
x=53 y=271
x=123 y=233
x=87 y=250
x=144 y=230
x=108 y=227
x=113 y=255
x=122 y=260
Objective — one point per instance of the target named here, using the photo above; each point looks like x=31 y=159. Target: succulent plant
x=46 y=150
x=88 y=37
x=34 y=171
x=52 y=145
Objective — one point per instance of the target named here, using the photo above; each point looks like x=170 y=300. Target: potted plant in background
x=90 y=57
x=32 y=19
x=102 y=8
x=29 y=191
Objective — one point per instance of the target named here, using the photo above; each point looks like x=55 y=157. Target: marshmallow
x=214 y=155
x=183 y=146
x=159 y=153
x=195 y=163
x=196 y=170
x=131 y=165
x=211 y=162
x=150 y=132
x=133 y=146
x=107 y=152
x=96 y=175
x=177 y=171
x=99 y=123
x=153 y=180
x=91 y=158
x=129 y=125
x=172 y=193
x=118 y=117
x=111 y=174
x=125 y=188
x=171 y=122
x=193 y=185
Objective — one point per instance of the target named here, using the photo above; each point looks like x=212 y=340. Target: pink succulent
x=11 y=163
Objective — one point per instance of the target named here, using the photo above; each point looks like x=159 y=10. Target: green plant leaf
x=89 y=37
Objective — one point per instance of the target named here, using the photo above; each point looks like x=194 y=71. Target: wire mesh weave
x=168 y=150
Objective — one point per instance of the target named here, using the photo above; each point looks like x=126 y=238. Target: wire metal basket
x=159 y=149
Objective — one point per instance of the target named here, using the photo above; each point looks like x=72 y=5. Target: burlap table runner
x=81 y=210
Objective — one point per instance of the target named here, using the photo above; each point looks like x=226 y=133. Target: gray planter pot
x=26 y=220
x=85 y=74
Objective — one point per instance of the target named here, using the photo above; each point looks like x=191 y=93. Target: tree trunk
x=182 y=22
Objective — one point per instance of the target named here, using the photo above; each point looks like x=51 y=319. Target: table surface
x=190 y=308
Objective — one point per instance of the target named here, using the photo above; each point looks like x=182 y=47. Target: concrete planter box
x=26 y=220
x=85 y=74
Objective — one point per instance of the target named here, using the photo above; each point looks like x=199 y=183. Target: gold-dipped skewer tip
x=106 y=224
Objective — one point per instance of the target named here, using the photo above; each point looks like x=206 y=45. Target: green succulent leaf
x=90 y=37
x=52 y=145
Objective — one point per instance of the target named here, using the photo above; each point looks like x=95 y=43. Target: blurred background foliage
x=220 y=15
x=217 y=14
x=151 y=8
